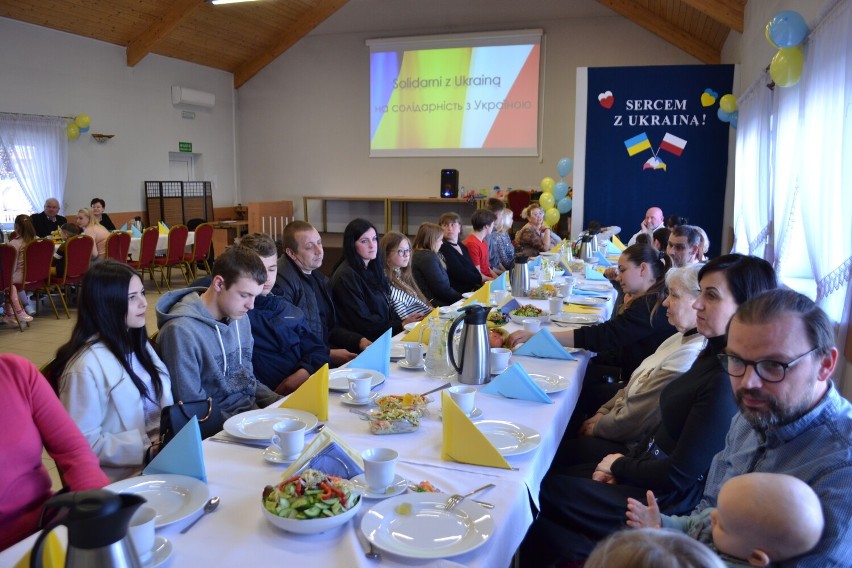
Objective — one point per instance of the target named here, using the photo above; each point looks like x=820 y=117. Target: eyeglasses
x=768 y=370
x=403 y=252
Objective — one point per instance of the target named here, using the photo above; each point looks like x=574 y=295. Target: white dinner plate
x=397 y=351
x=338 y=381
x=428 y=531
x=592 y=287
x=272 y=455
x=474 y=414
x=257 y=424
x=410 y=326
x=550 y=383
x=399 y=485
x=586 y=300
x=509 y=438
x=174 y=497
x=579 y=319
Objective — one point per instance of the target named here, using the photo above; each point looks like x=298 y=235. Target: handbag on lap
x=175 y=417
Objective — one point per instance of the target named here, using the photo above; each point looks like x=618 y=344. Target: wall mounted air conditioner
x=182 y=95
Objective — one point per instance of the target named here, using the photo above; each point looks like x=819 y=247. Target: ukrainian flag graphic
x=637 y=144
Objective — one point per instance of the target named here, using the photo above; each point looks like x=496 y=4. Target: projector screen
x=455 y=95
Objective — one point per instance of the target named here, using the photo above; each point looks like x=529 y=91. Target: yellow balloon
x=72 y=131
x=82 y=121
x=547 y=184
x=546 y=201
x=786 y=67
x=728 y=103
x=551 y=216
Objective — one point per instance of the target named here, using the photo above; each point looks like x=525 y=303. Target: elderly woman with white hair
x=634 y=411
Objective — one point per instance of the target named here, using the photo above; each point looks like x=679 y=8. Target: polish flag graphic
x=673 y=144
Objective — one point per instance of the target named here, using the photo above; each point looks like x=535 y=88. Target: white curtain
x=753 y=199
x=38 y=153
x=787 y=147
x=825 y=165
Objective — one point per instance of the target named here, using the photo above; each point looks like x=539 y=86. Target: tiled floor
x=46 y=334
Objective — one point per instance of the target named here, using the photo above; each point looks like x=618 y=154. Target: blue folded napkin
x=134 y=232
x=376 y=356
x=124 y=228
x=499 y=283
x=333 y=460
x=545 y=346
x=576 y=292
x=534 y=263
x=182 y=455
x=511 y=304
x=602 y=260
x=592 y=274
x=611 y=248
x=564 y=266
x=514 y=382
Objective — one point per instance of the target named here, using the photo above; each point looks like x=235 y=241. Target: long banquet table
x=238 y=535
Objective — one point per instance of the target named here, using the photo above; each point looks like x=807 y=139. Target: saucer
x=498 y=371
x=474 y=414
x=398 y=486
x=406 y=365
x=346 y=398
x=160 y=553
x=272 y=455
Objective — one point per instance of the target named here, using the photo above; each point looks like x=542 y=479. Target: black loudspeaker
x=450 y=184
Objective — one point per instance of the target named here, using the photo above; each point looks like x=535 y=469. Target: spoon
x=442 y=387
x=209 y=507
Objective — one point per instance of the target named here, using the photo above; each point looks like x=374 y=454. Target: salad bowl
x=309 y=503
x=313 y=526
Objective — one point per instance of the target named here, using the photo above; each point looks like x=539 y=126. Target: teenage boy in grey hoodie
x=206 y=342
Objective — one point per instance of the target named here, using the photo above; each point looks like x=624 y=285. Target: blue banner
x=653 y=138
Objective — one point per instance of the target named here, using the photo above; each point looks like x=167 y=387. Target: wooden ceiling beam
x=727 y=12
x=294 y=33
x=142 y=44
x=668 y=31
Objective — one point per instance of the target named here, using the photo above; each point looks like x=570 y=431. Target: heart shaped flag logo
x=606 y=99
x=708 y=97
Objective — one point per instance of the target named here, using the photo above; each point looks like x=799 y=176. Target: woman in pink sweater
x=32 y=419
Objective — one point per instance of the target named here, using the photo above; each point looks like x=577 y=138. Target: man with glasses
x=780 y=356
x=48 y=220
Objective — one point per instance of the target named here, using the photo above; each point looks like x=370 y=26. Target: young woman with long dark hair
x=406 y=297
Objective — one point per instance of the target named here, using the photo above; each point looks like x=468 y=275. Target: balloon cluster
x=79 y=126
x=556 y=196
x=786 y=31
x=727 y=111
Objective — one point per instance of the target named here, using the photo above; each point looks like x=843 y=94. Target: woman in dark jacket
x=428 y=267
x=583 y=503
x=464 y=276
x=360 y=288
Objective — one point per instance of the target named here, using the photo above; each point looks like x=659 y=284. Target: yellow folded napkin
x=164 y=230
x=53 y=555
x=415 y=333
x=576 y=309
x=617 y=242
x=483 y=296
x=557 y=248
x=312 y=396
x=325 y=438
x=463 y=442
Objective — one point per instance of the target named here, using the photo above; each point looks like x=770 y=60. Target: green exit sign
x=185 y=146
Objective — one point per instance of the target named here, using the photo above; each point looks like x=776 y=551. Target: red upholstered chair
x=118 y=243
x=78 y=254
x=8 y=259
x=38 y=256
x=200 y=248
x=174 y=255
x=147 y=252
x=517 y=199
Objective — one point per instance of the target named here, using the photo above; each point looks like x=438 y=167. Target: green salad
x=310 y=495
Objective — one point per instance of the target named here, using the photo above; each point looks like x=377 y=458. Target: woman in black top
x=98 y=205
x=583 y=503
x=463 y=274
x=360 y=288
x=430 y=272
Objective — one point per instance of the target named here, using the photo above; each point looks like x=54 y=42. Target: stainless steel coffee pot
x=520 y=276
x=474 y=356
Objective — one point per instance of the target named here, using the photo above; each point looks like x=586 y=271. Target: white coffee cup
x=289 y=437
x=141 y=531
x=500 y=295
x=531 y=325
x=413 y=353
x=555 y=305
x=500 y=359
x=379 y=466
x=463 y=397
x=567 y=288
x=360 y=385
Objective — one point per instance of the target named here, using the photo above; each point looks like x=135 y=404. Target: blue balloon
x=564 y=205
x=723 y=116
x=560 y=190
x=84 y=130
x=564 y=167
x=788 y=29
x=735 y=118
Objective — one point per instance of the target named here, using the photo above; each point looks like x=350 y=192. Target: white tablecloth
x=162 y=244
x=238 y=535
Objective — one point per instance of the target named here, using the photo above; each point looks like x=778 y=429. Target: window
x=13 y=202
